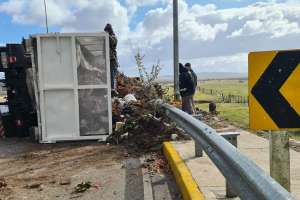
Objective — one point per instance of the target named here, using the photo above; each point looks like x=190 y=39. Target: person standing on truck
x=114 y=64
x=186 y=86
x=195 y=81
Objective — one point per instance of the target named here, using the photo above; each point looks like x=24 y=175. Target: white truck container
x=71 y=79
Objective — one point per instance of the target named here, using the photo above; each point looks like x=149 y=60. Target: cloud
x=32 y=12
x=69 y=15
x=134 y=5
x=210 y=37
x=272 y=19
x=235 y=62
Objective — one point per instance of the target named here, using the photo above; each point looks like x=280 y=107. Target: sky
x=215 y=35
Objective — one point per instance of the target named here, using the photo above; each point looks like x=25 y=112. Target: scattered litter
x=129 y=98
x=82 y=187
x=174 y=137
x=33 y=185
x=119 y=126
x=3 y=183
x=155 y=163
x=75 y=197
x=65 y=182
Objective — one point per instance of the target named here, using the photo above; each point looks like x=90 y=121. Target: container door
x=93 y=84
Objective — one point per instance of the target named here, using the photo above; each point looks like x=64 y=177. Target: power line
x=46 y=16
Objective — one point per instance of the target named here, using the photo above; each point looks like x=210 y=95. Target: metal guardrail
x=247 y=179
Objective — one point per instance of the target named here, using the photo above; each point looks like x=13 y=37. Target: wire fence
x=224 y=98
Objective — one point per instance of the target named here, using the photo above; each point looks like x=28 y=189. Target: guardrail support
x=232 y=138
x=198 y=150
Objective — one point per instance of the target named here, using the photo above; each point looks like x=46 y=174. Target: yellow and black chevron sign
x=274 y=90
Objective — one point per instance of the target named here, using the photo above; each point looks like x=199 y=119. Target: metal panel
x=60 y=113
x=74 y=86
x=57 y=61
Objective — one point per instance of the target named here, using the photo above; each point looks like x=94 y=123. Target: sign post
x=274 y=104
x=280 y=158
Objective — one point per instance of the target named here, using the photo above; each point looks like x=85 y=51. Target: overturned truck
x=67 y=84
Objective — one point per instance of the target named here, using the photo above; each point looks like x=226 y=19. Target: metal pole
x=46 y=16
x=176 y=50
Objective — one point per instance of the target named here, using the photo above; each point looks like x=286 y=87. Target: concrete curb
x=186 y=183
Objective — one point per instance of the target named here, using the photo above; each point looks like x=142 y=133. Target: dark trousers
x=113 y=74
x=188 y=105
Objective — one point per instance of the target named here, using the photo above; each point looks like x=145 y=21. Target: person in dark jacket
x=195 y=80
x=186 y=86
x=113 y=42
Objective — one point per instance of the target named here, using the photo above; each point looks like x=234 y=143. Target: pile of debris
x=136 y=122
x=211 y=119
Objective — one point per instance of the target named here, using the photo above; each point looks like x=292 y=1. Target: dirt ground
x=33 y=171
x=38 y=171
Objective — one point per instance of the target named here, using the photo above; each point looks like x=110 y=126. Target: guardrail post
x=280 y=158
x=198 y=150
x=232 y=138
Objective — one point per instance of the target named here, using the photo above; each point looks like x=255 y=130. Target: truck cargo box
x=71 y=79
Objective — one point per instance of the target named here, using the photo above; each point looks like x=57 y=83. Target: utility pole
x=46 y=16
x=176 y=50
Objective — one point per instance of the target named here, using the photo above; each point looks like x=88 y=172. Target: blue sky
x=13 y=32
x=215 y=35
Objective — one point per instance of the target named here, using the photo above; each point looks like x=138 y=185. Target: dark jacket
x=195 y=81
x=113 y=42
x=186 y=83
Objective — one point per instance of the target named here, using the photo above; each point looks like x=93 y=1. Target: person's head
x=188 y=66
x=108 y=29
x=182 y=68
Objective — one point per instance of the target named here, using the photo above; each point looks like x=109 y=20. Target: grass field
x=235 y=114
x=233 y=87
